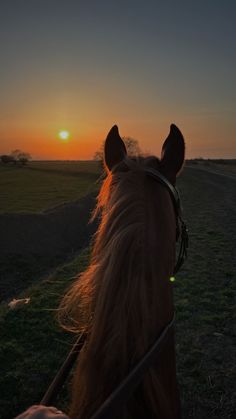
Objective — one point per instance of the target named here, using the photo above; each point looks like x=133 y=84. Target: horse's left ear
x=114 y=149
x=172 y=155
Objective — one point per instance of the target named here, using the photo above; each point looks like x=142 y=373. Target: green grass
x=67 y=167
x=33 y=346
x=205 y=292
x=42 y=185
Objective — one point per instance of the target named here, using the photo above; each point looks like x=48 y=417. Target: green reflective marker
x=172 y=279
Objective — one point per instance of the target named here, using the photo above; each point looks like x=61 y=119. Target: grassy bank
x=43 y=185
x=32 y=345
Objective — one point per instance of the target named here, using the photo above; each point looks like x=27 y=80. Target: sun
x=64 y=135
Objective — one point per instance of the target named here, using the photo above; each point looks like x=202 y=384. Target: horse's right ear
x=114 y=149
x=173 y=153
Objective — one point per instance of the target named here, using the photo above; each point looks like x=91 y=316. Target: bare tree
x=98 y=155
x=132 y=147
x=5 y=158
x=21 y=156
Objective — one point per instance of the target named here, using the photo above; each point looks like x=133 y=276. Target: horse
x=124 y=299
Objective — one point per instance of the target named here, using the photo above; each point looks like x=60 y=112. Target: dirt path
x=214 y=170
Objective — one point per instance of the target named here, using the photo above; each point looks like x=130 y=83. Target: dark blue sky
x=87 y=65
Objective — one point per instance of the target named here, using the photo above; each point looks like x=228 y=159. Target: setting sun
x=64 y=135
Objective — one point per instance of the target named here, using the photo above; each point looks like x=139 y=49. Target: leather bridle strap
x=183 y=247
x=155 y=174
x=63 y=372
x=125 y=389
x=172 y=190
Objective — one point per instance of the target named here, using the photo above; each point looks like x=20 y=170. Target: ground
x=33 y=346
x=205 y=297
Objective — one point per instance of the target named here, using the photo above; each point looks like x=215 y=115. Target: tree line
x=16 y=157
x=22 y=158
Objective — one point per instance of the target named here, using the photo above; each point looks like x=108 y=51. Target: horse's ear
x=172 y=155
x=114 y=149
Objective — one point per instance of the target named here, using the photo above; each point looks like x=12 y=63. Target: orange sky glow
x=37 y=131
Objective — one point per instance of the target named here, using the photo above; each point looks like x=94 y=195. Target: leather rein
x=124 y=390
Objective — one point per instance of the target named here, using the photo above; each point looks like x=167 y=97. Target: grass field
x=42 y=185
x=33 y=346
x=224 y=166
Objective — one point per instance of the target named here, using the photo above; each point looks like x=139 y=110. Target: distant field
x=42 y=185
x=219 y=165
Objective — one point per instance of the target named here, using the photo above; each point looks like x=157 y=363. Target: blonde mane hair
x=118 y=300
x=124 y=298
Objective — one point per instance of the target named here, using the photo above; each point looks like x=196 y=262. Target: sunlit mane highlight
x=118 y=300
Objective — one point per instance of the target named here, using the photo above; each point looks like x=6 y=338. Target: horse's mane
x=118 y=301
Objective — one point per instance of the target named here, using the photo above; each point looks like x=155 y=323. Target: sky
x=84 y=66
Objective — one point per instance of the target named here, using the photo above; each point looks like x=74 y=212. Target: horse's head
x=145 y=184
x=124 y=298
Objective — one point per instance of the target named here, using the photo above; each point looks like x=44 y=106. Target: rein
x=124 y=390
x=63 y=373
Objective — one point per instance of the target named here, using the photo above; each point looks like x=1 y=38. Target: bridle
x=181 y=228
x=124 y=390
